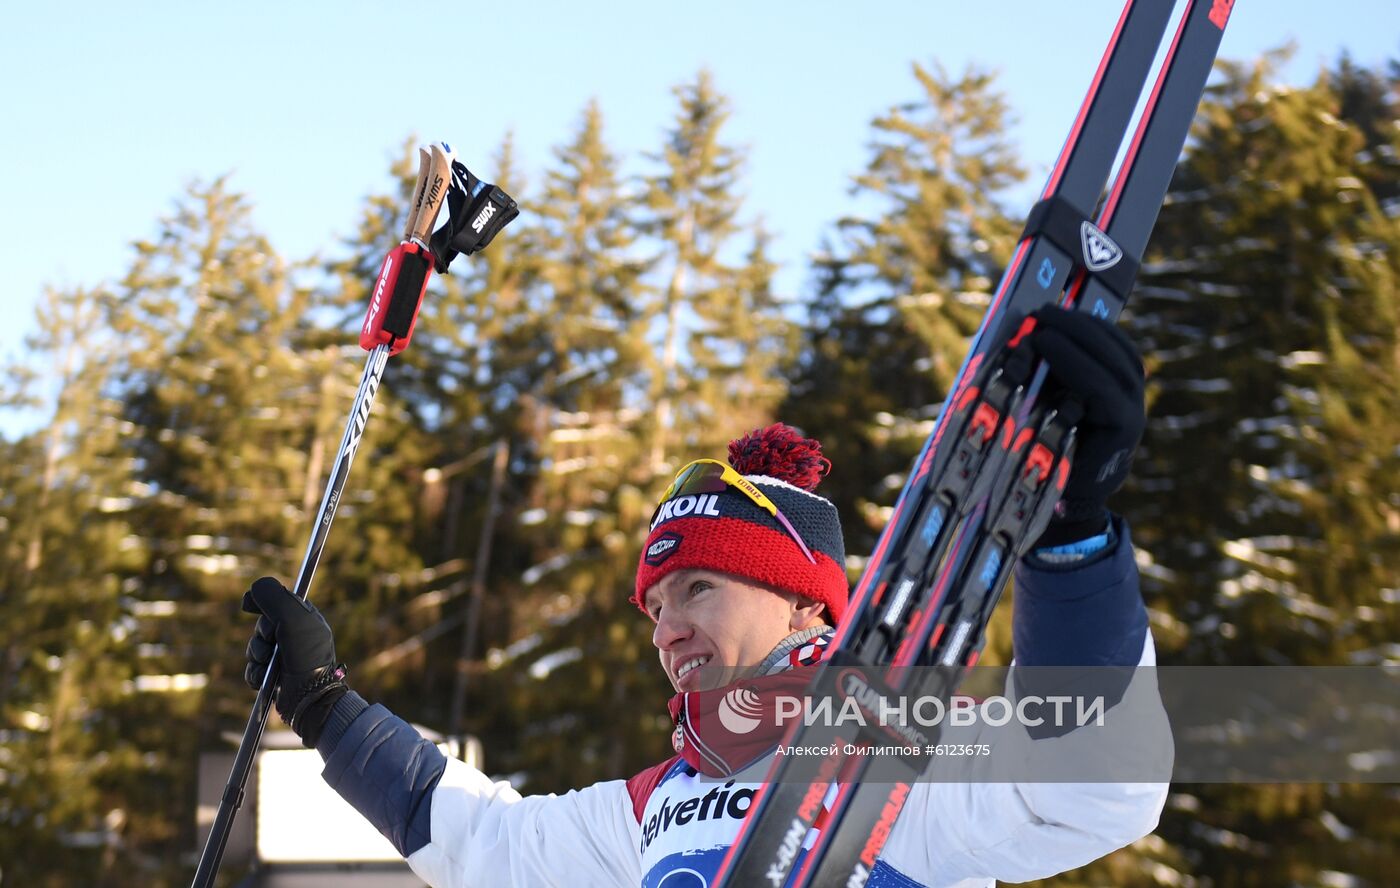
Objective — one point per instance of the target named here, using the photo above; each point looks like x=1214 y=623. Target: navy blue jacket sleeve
x=384 y=768
x=1085 y=613
x=1084 y=620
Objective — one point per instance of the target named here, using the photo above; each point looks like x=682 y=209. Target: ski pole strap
x=398 y=292
x=1065 y=226
x=476 y=213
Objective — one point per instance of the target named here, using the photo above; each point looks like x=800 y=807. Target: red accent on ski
x=843 y=793
x=1040 y=462
x=810 y=809
x=916 y=618
x=1089 y=97
x=967 y=397
x=755 y=805
x=1111 y=204
x=1120 y=181
x=1220 y=12
x=1027 y=326
x=858 y=600
x=1007 y=438
x=984 y=420
x=1026 y=435
x=879 y=594
x=859 y=596
x=1013 y=286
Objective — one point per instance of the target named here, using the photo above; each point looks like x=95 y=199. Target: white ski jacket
x=669 y=827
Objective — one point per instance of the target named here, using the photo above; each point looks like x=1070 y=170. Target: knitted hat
x=728 y=532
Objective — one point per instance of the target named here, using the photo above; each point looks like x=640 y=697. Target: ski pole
x=394 y=302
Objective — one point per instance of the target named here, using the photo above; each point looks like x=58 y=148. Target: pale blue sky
x=110 y=108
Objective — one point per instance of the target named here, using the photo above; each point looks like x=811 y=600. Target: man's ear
x=806 y=613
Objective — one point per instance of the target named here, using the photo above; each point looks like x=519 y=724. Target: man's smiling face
x=712 y=628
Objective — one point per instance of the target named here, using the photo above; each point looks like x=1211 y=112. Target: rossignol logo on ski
x=663 y=548
x=482 y=218
x=1220 y=12
x=1100 y=252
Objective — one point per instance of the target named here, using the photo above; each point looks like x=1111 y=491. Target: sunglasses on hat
x=713 y=476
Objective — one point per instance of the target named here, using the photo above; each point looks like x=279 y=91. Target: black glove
x=1096 y=364
x=311 y=681
x=476 y=213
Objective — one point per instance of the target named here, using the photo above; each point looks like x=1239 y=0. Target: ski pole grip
x=434 y=174
x=398 y=293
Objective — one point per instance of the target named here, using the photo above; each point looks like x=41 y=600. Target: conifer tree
x=209 y=393
x=67 y=761
x=693 y=333
x=903 y=285
x=1264 y=495
x=739 y=347
x=591 y=275
x=1268 y=319
x=713 y=295
x=582 y=516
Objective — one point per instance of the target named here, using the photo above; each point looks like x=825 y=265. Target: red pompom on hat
x=780 y=452
x=728 y=532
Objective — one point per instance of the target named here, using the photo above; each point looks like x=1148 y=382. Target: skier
x=743 y=575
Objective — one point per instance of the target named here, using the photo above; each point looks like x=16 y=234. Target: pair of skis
x=477 y=212
x=986 y=482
